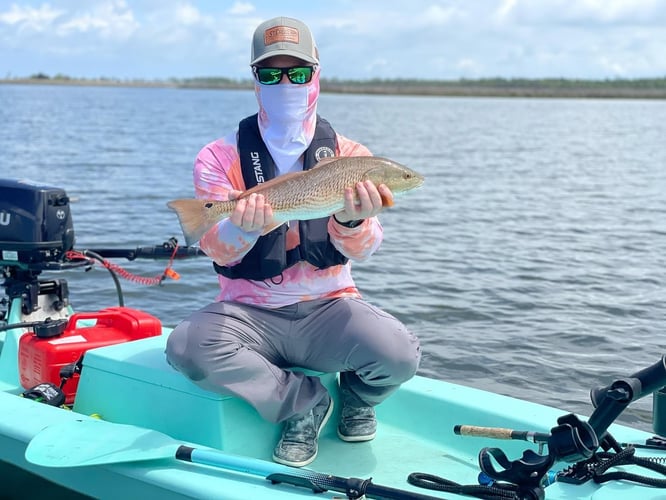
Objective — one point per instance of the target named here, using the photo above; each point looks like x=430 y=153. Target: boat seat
x=132 y=383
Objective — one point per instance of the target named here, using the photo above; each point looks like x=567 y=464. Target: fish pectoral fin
x=386 y=202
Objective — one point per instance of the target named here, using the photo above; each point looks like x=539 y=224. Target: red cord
x=169 y=272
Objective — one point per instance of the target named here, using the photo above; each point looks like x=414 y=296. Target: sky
x=357 y=39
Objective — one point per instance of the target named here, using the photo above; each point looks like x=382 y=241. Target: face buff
x=287 y=119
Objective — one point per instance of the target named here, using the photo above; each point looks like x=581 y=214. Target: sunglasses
x=296 y=74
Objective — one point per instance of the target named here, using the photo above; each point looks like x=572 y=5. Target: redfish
x=310 y=194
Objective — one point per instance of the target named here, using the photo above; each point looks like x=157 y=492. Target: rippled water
x=532 y=262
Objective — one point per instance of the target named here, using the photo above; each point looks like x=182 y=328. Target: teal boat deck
x=131 y=383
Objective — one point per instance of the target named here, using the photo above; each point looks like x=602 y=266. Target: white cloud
x=436 y=14
x=583 y=12
x=241 y=8
x=37 y=19
x=505 y=8
x=467 y=67
x=617 y=11
x=613 y=67
x=189 y=15
x=182 y=25
x=373 y=38
x=107 y=20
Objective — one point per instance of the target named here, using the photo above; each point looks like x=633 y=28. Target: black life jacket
x=269 y=256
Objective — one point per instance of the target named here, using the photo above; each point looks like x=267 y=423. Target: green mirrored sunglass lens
x=269 y=75
x=299 y=75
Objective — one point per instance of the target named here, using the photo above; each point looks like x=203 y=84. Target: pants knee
x=394 y=365
x=406 y=358
x=178 y=354
x=406 y=366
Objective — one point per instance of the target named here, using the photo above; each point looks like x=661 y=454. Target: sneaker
x=357 y=420
x=298 y=445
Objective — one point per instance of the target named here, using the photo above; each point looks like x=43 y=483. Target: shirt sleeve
x=360 y=242
x=216 y=173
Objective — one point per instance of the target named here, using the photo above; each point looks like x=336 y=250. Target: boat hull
x=415 y=434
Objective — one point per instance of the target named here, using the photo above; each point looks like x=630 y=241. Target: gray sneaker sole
x=356 y=439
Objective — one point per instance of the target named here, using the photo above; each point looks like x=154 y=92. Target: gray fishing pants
x=243 y=350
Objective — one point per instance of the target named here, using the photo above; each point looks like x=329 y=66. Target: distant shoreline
x=547 y=88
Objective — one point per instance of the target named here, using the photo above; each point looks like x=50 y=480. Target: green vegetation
x=644 y=88
x=509 y=87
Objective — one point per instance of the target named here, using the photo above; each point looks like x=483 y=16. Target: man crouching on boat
x=287 y=296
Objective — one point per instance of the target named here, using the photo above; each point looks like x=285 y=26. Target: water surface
x=532 y=262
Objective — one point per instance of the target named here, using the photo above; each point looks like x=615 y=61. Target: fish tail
x=194 y=216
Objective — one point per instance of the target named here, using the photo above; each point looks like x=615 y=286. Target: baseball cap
x=283 y=36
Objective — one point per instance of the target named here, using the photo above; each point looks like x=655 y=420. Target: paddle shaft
x=318 y=482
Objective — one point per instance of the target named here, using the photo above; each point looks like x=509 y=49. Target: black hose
x=27 y=324
x=119 y=291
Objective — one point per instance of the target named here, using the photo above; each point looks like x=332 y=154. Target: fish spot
x=208 y=205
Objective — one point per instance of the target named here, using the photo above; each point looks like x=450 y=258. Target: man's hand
x=371 y=201
x=251 y=213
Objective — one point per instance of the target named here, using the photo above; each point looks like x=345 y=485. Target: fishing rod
x=501 y=433
x=573 y=441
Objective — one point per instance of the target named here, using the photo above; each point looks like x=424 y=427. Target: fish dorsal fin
x=325 y=161
x=275 y=181
x=281 y=179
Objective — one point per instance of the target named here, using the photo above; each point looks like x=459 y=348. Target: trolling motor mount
x=573 y=440
x=525 y=473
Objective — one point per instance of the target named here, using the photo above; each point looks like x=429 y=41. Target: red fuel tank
x=40 y=359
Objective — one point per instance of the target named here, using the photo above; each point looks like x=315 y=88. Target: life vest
x=269 y=255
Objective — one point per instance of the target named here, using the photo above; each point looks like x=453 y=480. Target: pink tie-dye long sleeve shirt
x=217 y=171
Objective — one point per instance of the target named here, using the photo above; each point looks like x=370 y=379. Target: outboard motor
x=36 y=232
x=35 y=224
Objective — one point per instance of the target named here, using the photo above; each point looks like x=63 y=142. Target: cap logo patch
x=280 y=34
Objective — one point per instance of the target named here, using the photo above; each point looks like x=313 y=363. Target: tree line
x=503 y=87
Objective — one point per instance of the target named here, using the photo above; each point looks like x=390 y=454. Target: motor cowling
x=35 y=223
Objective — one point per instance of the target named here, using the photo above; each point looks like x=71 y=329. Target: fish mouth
x=416 y=182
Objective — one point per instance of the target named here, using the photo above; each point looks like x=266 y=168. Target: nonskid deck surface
x=391 y=457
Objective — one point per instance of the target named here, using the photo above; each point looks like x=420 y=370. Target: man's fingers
x=234 y=194
x=373 y=195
